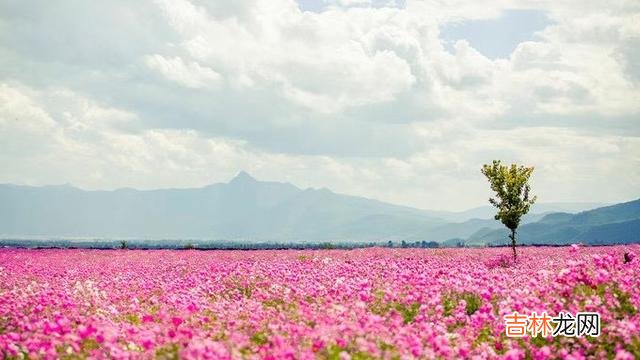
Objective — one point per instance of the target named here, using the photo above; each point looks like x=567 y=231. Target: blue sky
x=320 y=5
x=497 y=38
x=401 y=101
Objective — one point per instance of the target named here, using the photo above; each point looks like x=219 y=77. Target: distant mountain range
x=615 y=224
x=243 y=209
x=246 y=209
x=537 y=211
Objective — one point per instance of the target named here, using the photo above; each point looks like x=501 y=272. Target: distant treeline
x=235 y=245
x=202 y=244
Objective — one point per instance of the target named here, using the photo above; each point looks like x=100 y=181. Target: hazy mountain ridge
x=243 y=209
x=613 y=224
x=537 y=211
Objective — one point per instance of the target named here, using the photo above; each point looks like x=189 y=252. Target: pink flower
x=317 y=345
x=624 y=355
x=147 y=343
x=176 y=320
x=86 y=331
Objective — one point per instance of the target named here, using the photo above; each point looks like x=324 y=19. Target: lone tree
x=511 y=185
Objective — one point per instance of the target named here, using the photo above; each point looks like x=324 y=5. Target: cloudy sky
x=401 y=101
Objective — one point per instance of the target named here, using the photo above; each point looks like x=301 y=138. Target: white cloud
x=190 y=75
x=362 y=99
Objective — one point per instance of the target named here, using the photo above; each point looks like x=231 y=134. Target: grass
x=450 y=301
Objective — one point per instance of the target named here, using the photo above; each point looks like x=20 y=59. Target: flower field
x=326 y=304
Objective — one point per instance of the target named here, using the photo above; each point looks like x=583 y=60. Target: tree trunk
x=513 y=244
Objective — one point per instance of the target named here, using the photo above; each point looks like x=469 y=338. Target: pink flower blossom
x=385 y=303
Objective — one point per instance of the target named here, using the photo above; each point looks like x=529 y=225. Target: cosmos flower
x=377 y=303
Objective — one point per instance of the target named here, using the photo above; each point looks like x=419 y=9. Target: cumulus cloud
x=359 y=96
x=191 y=75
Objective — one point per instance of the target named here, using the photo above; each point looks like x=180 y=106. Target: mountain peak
x=243 y=177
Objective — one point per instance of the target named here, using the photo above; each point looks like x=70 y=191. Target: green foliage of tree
x=513 y=198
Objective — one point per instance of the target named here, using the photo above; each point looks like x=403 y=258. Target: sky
x=401 y=101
